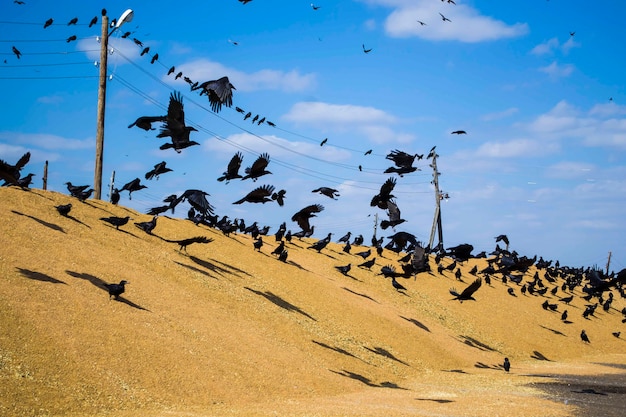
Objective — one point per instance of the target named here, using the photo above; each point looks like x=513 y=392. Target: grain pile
x=225 y=330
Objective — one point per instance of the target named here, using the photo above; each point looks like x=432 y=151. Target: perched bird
x=149 y=226
x=155 y=57
x=132 y=186
x=616 y=334
x=396 y=284
x=115 y=290
x=345 y=238
x=17 y=52
x=327 y=191
x=367 y=264
x=279 y=249
x=71 y=38
x=258 y=195
x=159 y=169
x=564 y=315
x=365 y=254
x=344 y=269
x=219 y=92
x=283 y=256
x=468 y=292
x=64 y=209
x=232 y=171
x=506 y=365
x=48 y=23
x=94 y=20
x=584 y=337
x=145 y=122
x=258 y=244
x=302 y=217
x=115 y=196
x=84 y=195
x=258 y=168
x=116 y=221
x=73 y=21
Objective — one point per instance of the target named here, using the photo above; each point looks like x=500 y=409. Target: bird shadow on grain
x=557 y=332
x=360 y=295
x=130 y=303
x=481 y=365
x=365 y=380
x=539 y=356
x=100 y=283
x=122 y=230
x=417 y=323
x=435 y=400
x=42 y=222
x=385 y=353
x=193 y=268
x=297 y=265
x=336 y=349
x=456 y=371
x=280 y=302
x=210 y=266
x=39 y=276
x=76 y=220
x=226 y=267
x=470 y=341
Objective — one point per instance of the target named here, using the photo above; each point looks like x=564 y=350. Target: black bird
x=232 y=171
x=444 y=18
x=564 y=315
x=365 y=254
x=258 y=243
x=132 y=186
x=12 y=173
x=394 y=216
x=396 y=284
x=503 y=238
x=314 y=7
x=159 y=169
x=145 y=122
x=344 y=269
x=149 y=226
x=116 y=221
x=175 y=127
x=402 y=160
x=64 y=209
x=244 y=1
x=17 y=52
x=381 y=199
x=506 y=365
x=367 y=51
x=247 y=116
x=71 y=38
x=171 y=70
x=186 y=242
x=322 y=143
x=75 y=189
x=197 y=200
x=258 y=195
x=616 y=334
x=302 y=217
x=459 y=132
x=283 y=256
x=73 y=21
x=279 y=197
x=321 y=244
x=94 y=20
x=327 y=191
x=468 y=292
x=255 y=118
x=584 y=337
x=345 y=238
x=48 y=23
x=367 y=264
x=155 y=57
x=84 y=195
x=23 y=182
x=258 y=168
x=115 y=290
x=219 y=92
x=115 y=196
x=279 y=249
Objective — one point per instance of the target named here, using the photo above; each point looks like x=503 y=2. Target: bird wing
x=175 y=109
x=235 y=164
x=260 y=164
x=388 y=186
x=219 y=92
x=472 y=288
x=22 y=161
x=393 y=211
x=198 y=200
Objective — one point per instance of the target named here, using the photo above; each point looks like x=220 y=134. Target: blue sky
x=538 y=86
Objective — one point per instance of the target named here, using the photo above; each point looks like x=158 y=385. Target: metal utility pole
x=438 y=197
x=608 y=263
x=111 y=185
x=45 y=176
x=102 y=91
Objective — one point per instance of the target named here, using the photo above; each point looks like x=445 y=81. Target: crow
x=302 y=217
x=149 y=226
x=175 y=127
x=564 y=315
x=154 y=58
x=73 y=21
x=283 y=256
x=186 y=242
x=219 y=92
x=394 y=216
x=84 y=195
x=279 y=249
x=64 y=209
x=93 y=21
x=320 y=244
x=159 y=169
x=258 y=168
x=444 y=18
x=17 y=52
x=459 y=132
x=396 y=284
x=145 y=122
x=244 y=1
x=71 y=39
x=584 y=337
x=116 y=221
x=402 y=160
x=48 y=23
x=367 y=51
x=468 y=292
x=381 y=199
x=258 y=195
x=279 y=197
x=258 y=244
x=232 y=171
x=344 y=269
x=197 y=200
x=23 y=182
x=364 y=254
x=327 y=191
x=322 y=143
x=367 y=264
x=133 y=186
x=506 y=365
x=345 y=238
x=115 y=290
x=11 y=173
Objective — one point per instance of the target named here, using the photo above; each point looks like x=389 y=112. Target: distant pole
x=111 y=184
x=438 y=198
x=102 y=86
x=375 y=223
x=45 y=176
x=608 y=263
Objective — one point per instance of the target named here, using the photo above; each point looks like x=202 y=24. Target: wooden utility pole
x=608 y=263
x=102 y=88
x=438 y=197
x=45 y=176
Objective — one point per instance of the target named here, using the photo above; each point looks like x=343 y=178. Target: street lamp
x=127 y=16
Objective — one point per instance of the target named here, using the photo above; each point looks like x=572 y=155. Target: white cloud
x=466 y=25
x=552 y=45
x=569 y=170
x=500 y=115
x=515 y=148
x=556 y=70
x=266 y=79
x=47 y=141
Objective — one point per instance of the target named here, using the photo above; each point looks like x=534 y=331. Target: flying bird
x=468 y=292
x=17 y=52
x=12 y=173
x=381 y=199
x=175 y=127
x=322 y=143
x=258 y=168
x=279 y=197
x=197 y=200
x=145 y=122
x=219 y=92
x=327 y=191
x=159 y=169
x=314 y=7
x=444 y=18
x=232 y=171
x=132 y=186
x=367 y=51
x=258 y=195
x=244 y=1
x=302 y=217
x=459 y=132
x=421 y=23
